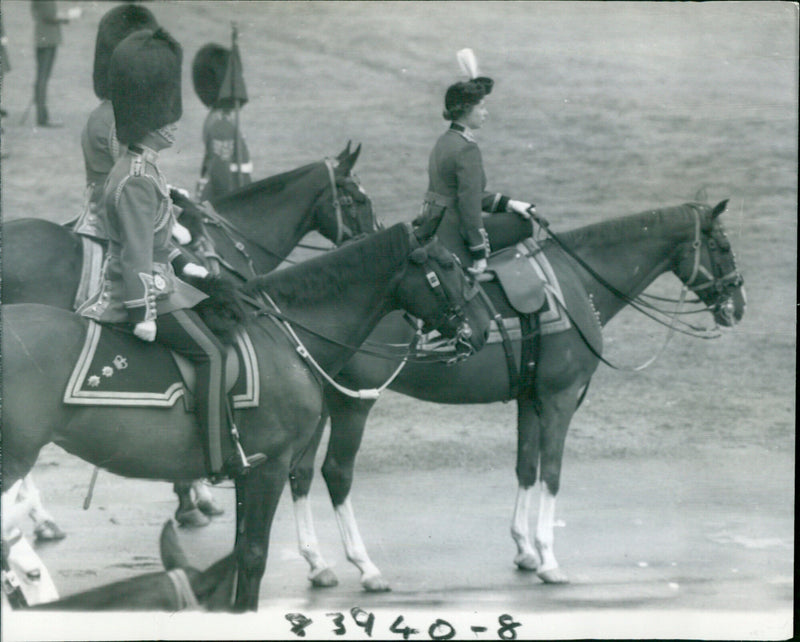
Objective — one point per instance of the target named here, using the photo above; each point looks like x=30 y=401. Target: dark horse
x=259 y=225
x=257 y=228
x=333 y=302
x=628 y=253
x=179 y=586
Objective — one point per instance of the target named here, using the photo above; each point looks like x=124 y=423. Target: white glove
x=145 y=330
x=181 y=234
x=192 y=269
x=521 y=208
x=478 y=267
x=73 y=13
x=180 y=190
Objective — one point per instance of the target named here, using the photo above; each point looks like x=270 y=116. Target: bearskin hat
x=114 y=27
x=461 y=96
x=210 y=77
x=145 y=78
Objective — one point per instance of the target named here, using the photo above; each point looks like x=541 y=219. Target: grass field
x=599 y=110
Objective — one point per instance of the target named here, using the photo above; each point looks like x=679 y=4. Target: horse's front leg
x=528 y=443
x=556 y=413
x=257 y=496
x=45 y=527
x=300 y=478
x=348 y=420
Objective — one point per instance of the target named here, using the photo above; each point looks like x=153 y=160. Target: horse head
x=343 y=210
x=436 y=289
x=708 y=267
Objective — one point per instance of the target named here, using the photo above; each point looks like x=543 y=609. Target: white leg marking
x=353 y=544
x=37 y=513
x=527 y=559
x=307 y=537
x=544 y=529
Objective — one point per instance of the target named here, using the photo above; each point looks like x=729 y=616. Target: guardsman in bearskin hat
x=140 y=287
x=220 y=86
x=457 y=182
x=99 y=139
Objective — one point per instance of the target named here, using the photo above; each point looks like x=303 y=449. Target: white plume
x=468 y=62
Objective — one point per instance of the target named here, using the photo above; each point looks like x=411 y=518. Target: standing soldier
x=457 y=182
x=140 y=288
x=47 y=36
x=219 y=84
x=99 y=137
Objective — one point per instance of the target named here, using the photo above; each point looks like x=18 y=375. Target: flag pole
x=233 y=63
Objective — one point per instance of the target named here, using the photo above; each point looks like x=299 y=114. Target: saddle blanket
x=552 y=318
x=113 y=370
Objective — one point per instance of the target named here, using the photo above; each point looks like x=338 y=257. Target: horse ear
x=701 y=196
x=172 y=555
x=344 y=153
x=349 y=161
x=719 y=208
x=428 y=227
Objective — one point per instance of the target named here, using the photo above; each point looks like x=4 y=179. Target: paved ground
x=697 y=548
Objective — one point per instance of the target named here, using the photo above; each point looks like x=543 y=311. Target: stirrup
x=240 y=463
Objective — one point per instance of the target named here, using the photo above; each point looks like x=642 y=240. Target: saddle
x=518 y=279
x=113 y=369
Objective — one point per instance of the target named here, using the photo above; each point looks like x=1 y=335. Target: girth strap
x=513 y=373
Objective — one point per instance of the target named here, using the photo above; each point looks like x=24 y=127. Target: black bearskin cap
x=114 y=27
x=145 y=77
x=209 y=72
x=462 y=96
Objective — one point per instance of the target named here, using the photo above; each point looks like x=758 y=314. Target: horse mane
x=635 y=226
x=222 y=312
x=325 y=276
x=269 y=185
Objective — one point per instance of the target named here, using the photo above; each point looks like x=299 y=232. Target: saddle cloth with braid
x=114 y=369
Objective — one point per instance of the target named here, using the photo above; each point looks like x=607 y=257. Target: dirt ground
x=677 y=505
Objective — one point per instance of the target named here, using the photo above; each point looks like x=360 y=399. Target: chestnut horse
x=600 y=268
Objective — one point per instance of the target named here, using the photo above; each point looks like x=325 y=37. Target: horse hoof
x=553 y=576
x=527 y=562
x=191 y=518
x=210 y=507
x=375 y=584
x=48 y=531
x=325 y=578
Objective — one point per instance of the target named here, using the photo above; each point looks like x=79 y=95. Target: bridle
x=342 y=201
x=715 y=290
x=453 y=314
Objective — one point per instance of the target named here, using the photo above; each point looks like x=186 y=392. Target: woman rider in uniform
x=456 y=180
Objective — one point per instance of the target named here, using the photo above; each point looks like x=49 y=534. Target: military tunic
x=457 y=184
x=226 y=158
x=139 y=281
x=100 y=151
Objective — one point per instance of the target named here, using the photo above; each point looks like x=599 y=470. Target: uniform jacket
x=100 y=152
x=47 y=26
x=220 y=163
x=457 y=183
x=139 y=281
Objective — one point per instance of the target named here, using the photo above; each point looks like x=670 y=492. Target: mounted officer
x=140 y=288
x=456 y=179
x=220 y=86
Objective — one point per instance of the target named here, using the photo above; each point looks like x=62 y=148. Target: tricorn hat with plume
x=462 y=96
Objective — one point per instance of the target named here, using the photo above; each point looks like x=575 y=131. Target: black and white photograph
x=402 y=320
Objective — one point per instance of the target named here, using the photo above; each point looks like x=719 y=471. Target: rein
x=637 y=303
